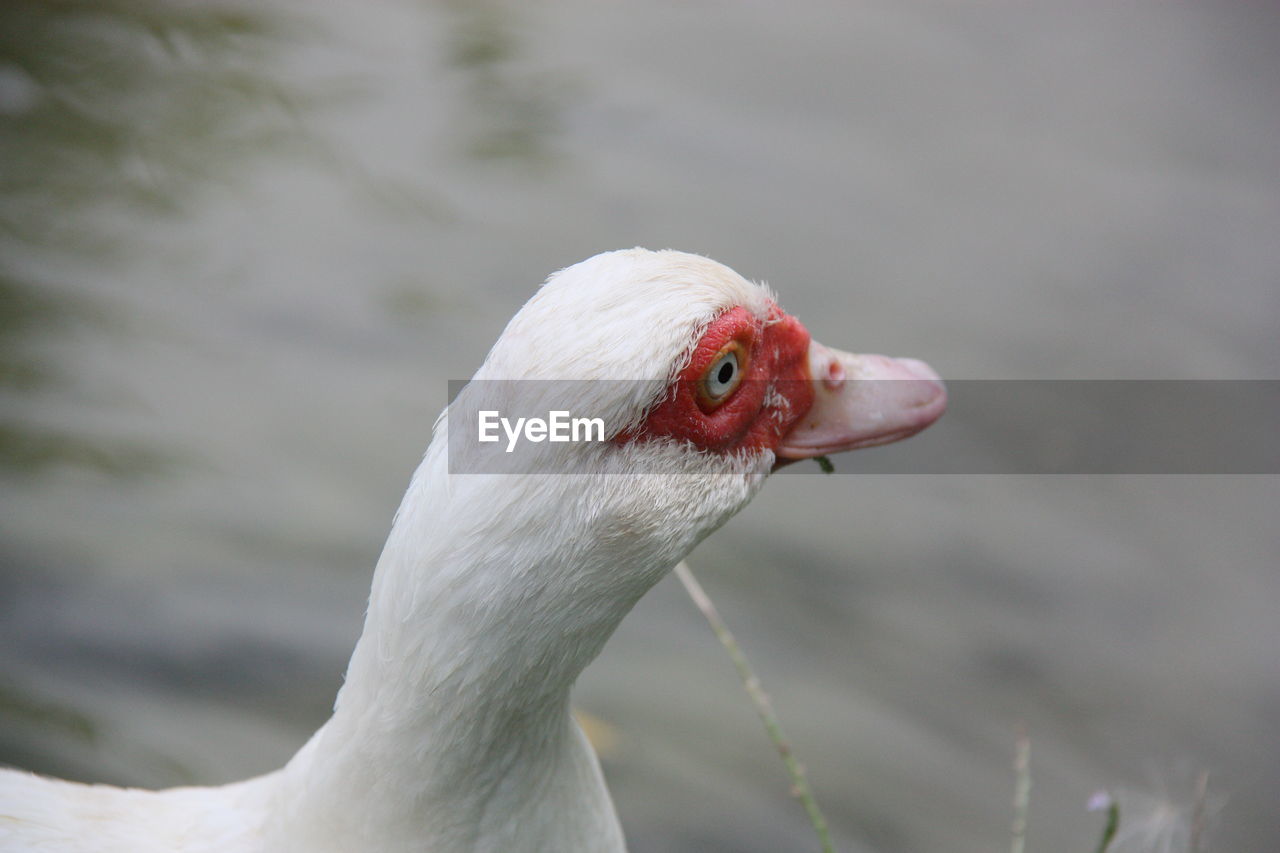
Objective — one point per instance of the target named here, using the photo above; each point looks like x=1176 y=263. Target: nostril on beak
x=835 y=375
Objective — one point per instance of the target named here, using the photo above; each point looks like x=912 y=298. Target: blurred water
x=245 y=247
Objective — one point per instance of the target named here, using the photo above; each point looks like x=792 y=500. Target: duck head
x=700 y=383
x=674 y=352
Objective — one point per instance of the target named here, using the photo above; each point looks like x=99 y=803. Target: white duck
x=452 y=731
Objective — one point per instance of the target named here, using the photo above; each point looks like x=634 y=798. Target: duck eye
x=721 y=380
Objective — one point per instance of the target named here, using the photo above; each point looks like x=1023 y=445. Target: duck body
x=39 y=814
x=452 y=731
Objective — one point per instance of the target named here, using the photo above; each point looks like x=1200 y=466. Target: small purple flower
x=1100 y=801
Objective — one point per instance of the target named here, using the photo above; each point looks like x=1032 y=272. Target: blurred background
x=243 y=247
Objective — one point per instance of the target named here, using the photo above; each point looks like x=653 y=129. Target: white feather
x=452 y=731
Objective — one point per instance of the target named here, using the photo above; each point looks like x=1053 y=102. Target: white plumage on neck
x=494 y=592
x=454 y=721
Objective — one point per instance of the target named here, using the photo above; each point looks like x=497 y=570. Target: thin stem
x=1198 y=813
x=1110 y=828
x=1021 y=792
x=764 y=708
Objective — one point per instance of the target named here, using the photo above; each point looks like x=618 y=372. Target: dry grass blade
x=1021 y=792
x=764 y=708
x=1198 y=813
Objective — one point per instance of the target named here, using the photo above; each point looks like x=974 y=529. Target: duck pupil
x=726 y=373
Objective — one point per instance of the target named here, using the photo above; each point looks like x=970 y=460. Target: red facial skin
x=773 y=356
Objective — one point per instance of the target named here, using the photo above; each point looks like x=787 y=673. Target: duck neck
x=455 y=706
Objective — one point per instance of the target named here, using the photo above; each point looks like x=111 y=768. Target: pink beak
x=863 y=401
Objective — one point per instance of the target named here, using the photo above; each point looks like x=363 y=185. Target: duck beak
x=863 y=401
